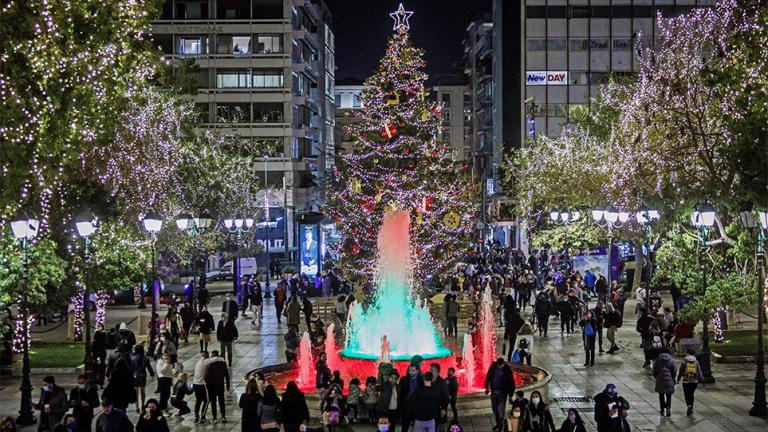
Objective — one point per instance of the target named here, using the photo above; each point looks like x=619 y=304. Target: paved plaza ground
x=721 y=406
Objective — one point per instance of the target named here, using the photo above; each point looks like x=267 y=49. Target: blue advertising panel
x=309 y=250
x=595 y=260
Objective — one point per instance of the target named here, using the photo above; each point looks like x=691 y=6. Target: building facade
x=572 y=47
x=264 y=72
x=347 y=100
x=451 y=98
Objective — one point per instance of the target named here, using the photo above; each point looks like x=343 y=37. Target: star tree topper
x=401 y=18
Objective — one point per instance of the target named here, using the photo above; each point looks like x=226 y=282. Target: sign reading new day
x=546 y=78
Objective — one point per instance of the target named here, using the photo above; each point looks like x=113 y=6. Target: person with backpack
x=690 y=373
x=589 y=334
x=205 y=326
x=542 y=309
x=279 y=302
x=141 y=366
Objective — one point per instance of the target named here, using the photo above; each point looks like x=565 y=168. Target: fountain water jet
x=394 y=311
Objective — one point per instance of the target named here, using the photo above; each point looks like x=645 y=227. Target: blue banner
x=309 y=250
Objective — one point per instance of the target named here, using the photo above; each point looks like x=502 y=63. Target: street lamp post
x=748 y=219
x=153 y=224
x=193 y=226
x=237 y=225
x=609 y=218
x=24 y=230
x=565 y=217
x=703 y=218
x=86 y=225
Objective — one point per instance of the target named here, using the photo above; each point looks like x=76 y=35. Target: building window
x=268 y=112
x=536 y=44
x=271 y=147
x=202 y=111
x=267 y=9
x=233 y=113
x=241 y=44
x=232 y=78
x=190 y=46
x=232 y=9
x=268 y=43
x=556 y=44
x=267 y=78
x=356 y=103
x=337 y=100
x=191 y=10
x=446 y=136
x=446 y=98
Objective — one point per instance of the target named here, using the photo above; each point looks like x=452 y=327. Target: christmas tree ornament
x=452 y=219
x=393 y=98
x=356 y=185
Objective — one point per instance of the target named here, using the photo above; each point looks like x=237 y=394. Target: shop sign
x=546 y=78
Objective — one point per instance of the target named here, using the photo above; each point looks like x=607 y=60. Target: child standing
x=353 y=399
x=370 y=398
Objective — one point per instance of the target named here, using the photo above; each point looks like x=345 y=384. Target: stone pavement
x=721 y=406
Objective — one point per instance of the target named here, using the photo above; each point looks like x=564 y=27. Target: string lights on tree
x=399 y=163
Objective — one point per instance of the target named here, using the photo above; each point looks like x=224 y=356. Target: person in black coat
x=441 y=385
x=453 y=391
x=216 y=375
x=229 y=307
x=83 y=399
x=293 y=408
x=610 y=410
x=226 y=333
x=152 y=420
x=565 y=311
x=120 y=390
x=99 y=349
x=499 y=383
x=406 y=390
x=513 y=322
x=111 y=419
x=588 y=334
x=187 y=317
x=205 y=325
x=542 y=309
x=573 y=422
x=427 y=403
x=249 y=404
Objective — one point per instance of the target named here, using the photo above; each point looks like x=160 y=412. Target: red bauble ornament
x=427 y=203
x=388 y=131
x=355 y=249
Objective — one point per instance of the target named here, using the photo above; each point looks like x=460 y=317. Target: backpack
x=691 y=371
x=588 y=330
x=656 y=342
x=279 y=296
x=523 y=344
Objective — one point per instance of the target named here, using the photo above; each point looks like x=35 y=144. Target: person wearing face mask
x=52 y=404
x=573 y=423
x=589 y=334
x=111 y=419
x=384 y=425
x=83 y=399
x=515 y=422
x=537 y=415
x=455 y=426
x=611 y=410
x=500 y=383
x=166 y=371
x=153 y=419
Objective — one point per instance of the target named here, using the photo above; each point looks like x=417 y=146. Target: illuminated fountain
x=396 y=326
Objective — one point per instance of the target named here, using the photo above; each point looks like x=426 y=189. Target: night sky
x=437 y=26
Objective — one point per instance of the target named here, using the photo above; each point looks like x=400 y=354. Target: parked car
x=248 y=267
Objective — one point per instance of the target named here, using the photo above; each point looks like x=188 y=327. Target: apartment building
x=450 y=95
x=347 y=100
x=264 y=72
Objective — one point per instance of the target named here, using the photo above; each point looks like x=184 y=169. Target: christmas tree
x=398 y=163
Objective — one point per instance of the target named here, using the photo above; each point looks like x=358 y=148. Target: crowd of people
x=527 y=292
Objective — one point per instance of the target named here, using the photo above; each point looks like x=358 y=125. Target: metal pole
x=758 y=405
x=193 y=301
x=610 y=247
x=482 y=203
x=285 y=217
x=153 y=320
x=704 y=356
x=266 y=228
x=26 y=415
x=88 y=361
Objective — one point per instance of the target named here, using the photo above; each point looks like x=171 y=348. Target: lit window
x=190 y=46
x=241 y=44
x=268 y=44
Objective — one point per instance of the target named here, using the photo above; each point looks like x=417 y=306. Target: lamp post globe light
x=703 y=218
x=758 y=225
x=565 y=217
x=609 y=218
x=86 y=226
x=24 y=229
x=194 y=226
x=237 y=225
x=153 y=223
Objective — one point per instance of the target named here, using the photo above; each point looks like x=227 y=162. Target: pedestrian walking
x=598 y=313
x=538 y=418
x=406 y=390
x=453 y=391
x=141 y=366
x=249 y=406
x=690 y=373
x=611 y=410
x=52 y=404
x=588 y=334
x=612 y=322
x=229 y=307
x=205 y=326
x=513 y=322
x=453 y=316
x=565 y=311
x=152 y=420
x=294 y=409
x=198 y=387
x=279 y=302
x=293 y=313
x=664 y=372
x=427 y=405
x=573 y=422
x=83 y=399
x=166 y=371
x=322 y=376
x=499 y=383
x=112 y=419
x=387 y=405
x=269 y=410
x=542 y=310
x=120 y=390
x=226 y=333
x=216 y=376
x=187 y=316
x=257 y=303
